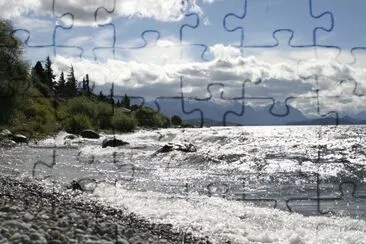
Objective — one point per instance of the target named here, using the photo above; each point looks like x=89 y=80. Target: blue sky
x=226 y=41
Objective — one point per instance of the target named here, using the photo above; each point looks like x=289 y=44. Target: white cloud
x=83 y=10
x=279 y=80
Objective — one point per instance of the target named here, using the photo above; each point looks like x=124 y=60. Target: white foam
x=238 y=222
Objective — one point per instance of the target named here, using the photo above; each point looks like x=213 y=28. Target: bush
x=79 y=105
x=78 y=123
x=176 y=120
x=149 y=118
x=123 y=123
x=103 y=113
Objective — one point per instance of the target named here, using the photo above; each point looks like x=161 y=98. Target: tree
x=50 y=77
x=61 y=85
x=38 y=77
x=176 y=120
x=14 y=76
x=126 y=101
x=101 y=96
x=71 y=84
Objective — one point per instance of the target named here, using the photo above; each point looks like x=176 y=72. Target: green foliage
x=77 y=123
x=149 y=118
x=36 y=115
x=78 y=105
x=176 y=120
x=126 y=101
x=103 y=114
x=14 y=77
x=123 y=123
x=50 y=77
x=27 y=101
x=71 y=84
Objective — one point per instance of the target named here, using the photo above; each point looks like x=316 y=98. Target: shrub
x=79 y=105
x=78 y=123
x=176 y=120
x=123 y=123
x=149 y=118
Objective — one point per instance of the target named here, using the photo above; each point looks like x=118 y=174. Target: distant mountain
x=232 y=113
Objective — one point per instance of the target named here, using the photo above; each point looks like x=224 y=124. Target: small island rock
x=113 y=142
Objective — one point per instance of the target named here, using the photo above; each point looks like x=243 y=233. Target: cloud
x=83 y=10
x=264 y=79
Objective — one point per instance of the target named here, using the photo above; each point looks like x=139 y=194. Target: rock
x=19 y=138
x=5 y=134
x=187 y=148
x=113 y=142
x=164 y=149
x=74 y=185
x=89 y=134
x=179 y=147
x=7 y=143
x=70 y=137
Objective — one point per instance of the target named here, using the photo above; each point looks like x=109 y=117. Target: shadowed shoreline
x=29 y=213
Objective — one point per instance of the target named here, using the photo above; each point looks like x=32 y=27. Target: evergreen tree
x=71 y=83
x=87 y=85
x=126 y=101
x=61 y=85
x=49 y=76
x=39 y=80
x=101 y=96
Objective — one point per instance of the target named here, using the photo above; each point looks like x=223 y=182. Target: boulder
x=19 y=138
x=187 y=148
x=7 y=143
x=113 y=142
x=70 y=137
x=5 y=134
x=90 y=134
x=179 y=147
x=75 y=185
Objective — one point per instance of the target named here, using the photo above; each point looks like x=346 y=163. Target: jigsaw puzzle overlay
x=243 y=108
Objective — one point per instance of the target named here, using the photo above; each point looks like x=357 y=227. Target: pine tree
x=61 y=85
x=49 y=76
x=126 y=101
x=71 y=83
x=38 y=78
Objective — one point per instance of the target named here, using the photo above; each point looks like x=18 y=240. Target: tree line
x=35 y=100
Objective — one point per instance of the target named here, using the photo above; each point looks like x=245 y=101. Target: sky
x=276 y=48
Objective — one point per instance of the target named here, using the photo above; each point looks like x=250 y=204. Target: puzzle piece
x=340 y=34
x=53 y=48
x=73 y=21
x=150 y=48
x=349 y=202
x=39 y=162
x=273 y=190
x=258 y=17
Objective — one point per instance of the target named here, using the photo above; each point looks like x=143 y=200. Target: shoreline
x=29 y=213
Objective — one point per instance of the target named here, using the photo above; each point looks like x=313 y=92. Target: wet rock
x=7 y=143
x=5 y=133
x=19 y=138
x=178 y=147
x=70 y=137
x=90 y=134
x=113 y=142
x=74 y=185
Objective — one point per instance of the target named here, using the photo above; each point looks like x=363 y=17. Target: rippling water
x=244 y=184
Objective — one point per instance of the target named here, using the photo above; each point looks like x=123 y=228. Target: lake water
x=272 y=184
